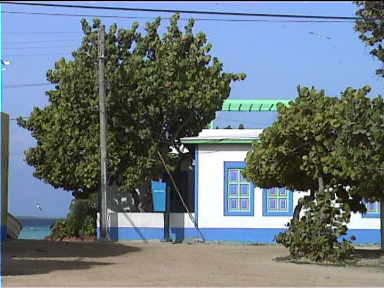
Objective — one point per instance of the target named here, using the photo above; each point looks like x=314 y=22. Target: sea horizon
x=35 y=227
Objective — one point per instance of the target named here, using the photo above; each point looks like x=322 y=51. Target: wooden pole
x=103 y=135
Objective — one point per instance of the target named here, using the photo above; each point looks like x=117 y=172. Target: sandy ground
x=41 y=263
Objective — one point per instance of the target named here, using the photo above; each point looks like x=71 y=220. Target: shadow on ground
x=18 y=267
x=26 y=257
x=368 y=253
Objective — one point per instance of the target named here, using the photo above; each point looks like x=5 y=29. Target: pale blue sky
x=276 y=56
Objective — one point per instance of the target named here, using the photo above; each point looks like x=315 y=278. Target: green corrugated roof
x=248 y=105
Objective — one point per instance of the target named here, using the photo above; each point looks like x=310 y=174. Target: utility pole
x=103 y=135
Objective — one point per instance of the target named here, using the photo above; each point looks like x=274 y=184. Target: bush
x=315 y=236
x=59 y=229
x=80 y=221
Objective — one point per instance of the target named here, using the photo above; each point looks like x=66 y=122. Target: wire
x=40 y=41
x=183 y=19
x=26 y=85
x=36 y=47
x=23 y=117
x=43 y=32
x=184 y=11
x=30 y=55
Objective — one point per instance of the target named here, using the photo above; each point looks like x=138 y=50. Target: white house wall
x=147 y=226
x=210 y=210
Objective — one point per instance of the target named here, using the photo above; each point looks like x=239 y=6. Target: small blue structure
x=158 y=196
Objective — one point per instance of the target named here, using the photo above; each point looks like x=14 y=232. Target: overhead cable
x=222 y=13
x=167 y=18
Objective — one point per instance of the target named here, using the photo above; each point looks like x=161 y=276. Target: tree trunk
x=146 y=197
x=321 y=185
x=321 y=192
x=382 y=224
x=300 y=204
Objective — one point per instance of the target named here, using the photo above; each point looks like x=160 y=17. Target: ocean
x=35 y=227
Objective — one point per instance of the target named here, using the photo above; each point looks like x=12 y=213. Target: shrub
x=80 y=221
x=316 y=236
x=59 y=229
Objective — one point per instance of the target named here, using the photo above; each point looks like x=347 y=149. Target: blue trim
x=236 y=164
x=372 y=215
x=265 y=205
x=196 y=188
x=3 y=232
x=364 y=236
x=243 y=235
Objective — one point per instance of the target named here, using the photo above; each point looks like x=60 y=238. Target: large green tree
x=371 y=31
x=297 y=149
x=159 y=89
x=371 y=28
x=330 y=146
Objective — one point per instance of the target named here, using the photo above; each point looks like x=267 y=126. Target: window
x=277 y=202
x=238 y=192
x=373 y=210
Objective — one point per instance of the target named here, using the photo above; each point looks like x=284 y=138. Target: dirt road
x=43 y=263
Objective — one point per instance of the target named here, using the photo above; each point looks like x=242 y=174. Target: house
x=226 y=207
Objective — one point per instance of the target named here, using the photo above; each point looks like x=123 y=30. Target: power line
x=36 y=47
x=184 y=11
x=30 y=55
x=183 y=19
x=26 y=85
x=23 y=117
x=41 y=41
x=43 y=32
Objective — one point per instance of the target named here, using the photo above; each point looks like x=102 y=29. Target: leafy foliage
x=291 y=151
x=371 y=27
x=59 y=229
x=80 y=221
x=159 y=89
x=316 y=235
x=335 y=141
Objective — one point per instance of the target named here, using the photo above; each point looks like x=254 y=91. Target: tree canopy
x=332 y=147
x=337 y=139
x=371 y=27
x=159 y=88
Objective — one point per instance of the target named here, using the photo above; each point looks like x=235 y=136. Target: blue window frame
x=277 y=202
x=373 y=210
x=238 y=192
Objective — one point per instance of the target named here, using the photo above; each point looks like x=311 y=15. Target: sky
x=276 y=56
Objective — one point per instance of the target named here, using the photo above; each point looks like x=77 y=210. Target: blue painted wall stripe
x=244 y=235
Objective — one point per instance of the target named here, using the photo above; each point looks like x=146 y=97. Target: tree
x=324 y=145
x=371 y=32
x=290 y=153
x=361 y=147
x=370 y=28
x=159 y=89
x=241 y=126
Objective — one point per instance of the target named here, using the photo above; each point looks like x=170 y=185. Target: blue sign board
x=158 y=196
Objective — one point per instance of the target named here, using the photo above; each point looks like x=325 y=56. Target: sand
x=40 y=263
